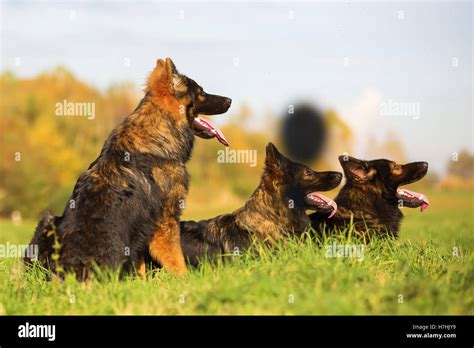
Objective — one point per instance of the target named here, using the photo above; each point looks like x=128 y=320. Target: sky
x=354 y=57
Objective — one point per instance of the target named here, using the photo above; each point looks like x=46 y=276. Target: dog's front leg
x=165 y=246
x=141 y=268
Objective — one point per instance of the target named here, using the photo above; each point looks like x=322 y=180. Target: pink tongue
x=420 y=196
x=214 y=130
x=325 y=199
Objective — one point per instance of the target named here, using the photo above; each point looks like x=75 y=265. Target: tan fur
x=162 y=87
x=263 y=225
x=165 y=247
x=141 y=269
x=166 y=177
x=152 y=120
x=398 y=171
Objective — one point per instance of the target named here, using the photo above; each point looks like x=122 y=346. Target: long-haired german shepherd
x=128 y=202
x=277 y=207
x=372 y=196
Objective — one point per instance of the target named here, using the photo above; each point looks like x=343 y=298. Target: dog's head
x=187 y=99
x=384 y=178
x=299 y=184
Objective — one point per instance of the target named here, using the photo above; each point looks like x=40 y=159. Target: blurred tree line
x=43 y=154
x=462 y=165
x=460 y=171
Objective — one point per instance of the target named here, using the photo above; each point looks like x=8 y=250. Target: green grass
x=421 y=267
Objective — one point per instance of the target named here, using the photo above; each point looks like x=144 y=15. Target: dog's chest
x=172 y=180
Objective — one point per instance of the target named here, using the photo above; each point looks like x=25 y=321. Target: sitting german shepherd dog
x=372 y=197
x=277 y=207
x=128 y=203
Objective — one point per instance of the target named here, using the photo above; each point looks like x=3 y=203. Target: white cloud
x=363 y=116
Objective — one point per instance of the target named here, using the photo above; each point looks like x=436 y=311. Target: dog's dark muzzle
x=413 y=172
x=212 y=105
x=326 y=181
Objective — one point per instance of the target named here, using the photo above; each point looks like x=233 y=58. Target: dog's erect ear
x=159 y=78
x=160 y=63
x=176 y=80
x=165 y=78
x=274 y=159
x=355 y=169
x=160 y=72
x=170 y=66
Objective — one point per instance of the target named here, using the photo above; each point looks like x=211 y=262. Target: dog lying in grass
x=286 y=190
x=371 y=197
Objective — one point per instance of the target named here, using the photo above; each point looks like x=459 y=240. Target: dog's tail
x=41 y=246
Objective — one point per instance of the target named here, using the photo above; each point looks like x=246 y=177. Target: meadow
x=429 y=270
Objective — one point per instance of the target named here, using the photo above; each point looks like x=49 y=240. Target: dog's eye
x=308 y=172
x=397 y=167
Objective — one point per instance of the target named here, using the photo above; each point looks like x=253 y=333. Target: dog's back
x=210 y=239
x=277 y=207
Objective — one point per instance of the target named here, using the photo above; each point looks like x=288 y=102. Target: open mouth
x=321 y=203
x=207 y=129
x=413 y=199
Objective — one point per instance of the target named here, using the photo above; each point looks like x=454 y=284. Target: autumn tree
x=461 y=165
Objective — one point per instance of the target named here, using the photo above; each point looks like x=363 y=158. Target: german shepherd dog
x=128 y=202
x=372 y=196
x=277 y=207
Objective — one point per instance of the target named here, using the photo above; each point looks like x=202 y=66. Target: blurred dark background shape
x=303 y=132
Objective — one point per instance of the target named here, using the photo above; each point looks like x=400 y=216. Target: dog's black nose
x=228 y=101
x=424 y=165
x=338 y=176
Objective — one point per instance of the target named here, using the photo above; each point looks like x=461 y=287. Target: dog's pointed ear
x=356 y=169
x=165 y=78
x=160 y=63
x=274 y=159
x=158 y=78
x=170 y=67
x=176 y=80
x=160 y=73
